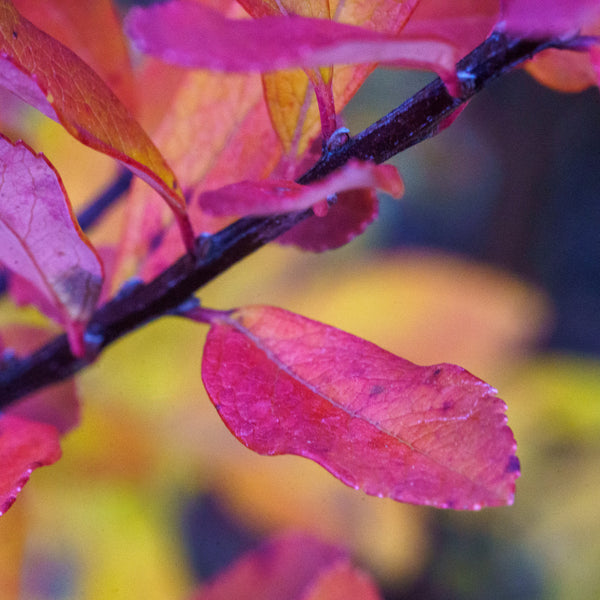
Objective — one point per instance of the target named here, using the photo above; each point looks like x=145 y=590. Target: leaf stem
x=324 y=93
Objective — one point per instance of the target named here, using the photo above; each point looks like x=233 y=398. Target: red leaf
x=189 y=34
x=284 y=384
x=463 y=23
x=292 y=567
x=277 y=195
x=547 y=18
x=47 y=75
x=24 y=446
x=353 y=212
x=41 y=241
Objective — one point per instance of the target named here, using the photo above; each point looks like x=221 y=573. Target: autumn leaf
x=284 y=384
x=190 y=34
x=294 y=567
x=271 y=196
x=216 y=132
x=535 y=19
x=50 y=77
x=91 y=28
x=24 y=446
x=463 y=23
x=42 y=243
x=563 y=70
x=353 y=212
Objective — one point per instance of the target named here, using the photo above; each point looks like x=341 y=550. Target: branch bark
x=417 y=119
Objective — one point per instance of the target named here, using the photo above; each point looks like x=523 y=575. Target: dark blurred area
x=515 y=182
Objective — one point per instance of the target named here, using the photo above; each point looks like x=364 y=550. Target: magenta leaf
x=41 y=241
x=190 y=34
x=291 y=567
x=353 y=212
x=281 y=195
x=463 y=23
x=24 y=446
x=547 y=18
x=284 y=384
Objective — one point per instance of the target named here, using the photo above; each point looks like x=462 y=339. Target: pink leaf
x=291 y=567
x=280 y=195
x=353 y=212
x=463 y=23
x=190 y=34
x=41 y=241
x=547 y=18
x=24 y=446
x=284 y=384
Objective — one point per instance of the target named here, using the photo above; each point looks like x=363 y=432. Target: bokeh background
x=491 y=260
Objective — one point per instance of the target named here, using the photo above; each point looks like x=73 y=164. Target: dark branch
x=97 y=207
x=417 y=119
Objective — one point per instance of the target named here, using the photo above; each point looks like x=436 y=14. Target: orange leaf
x=290 y=97
x=50 y=77
x=216 y=132
x=563 y=71
x=568 y=71
x=90 y=28
x=24 y=446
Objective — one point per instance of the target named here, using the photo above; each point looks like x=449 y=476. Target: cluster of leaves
x=238 y=144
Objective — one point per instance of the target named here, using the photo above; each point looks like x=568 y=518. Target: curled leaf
x=278 y=196
x=42 y=243
x=284 y=384
x=24 y=446
x=353 y=212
